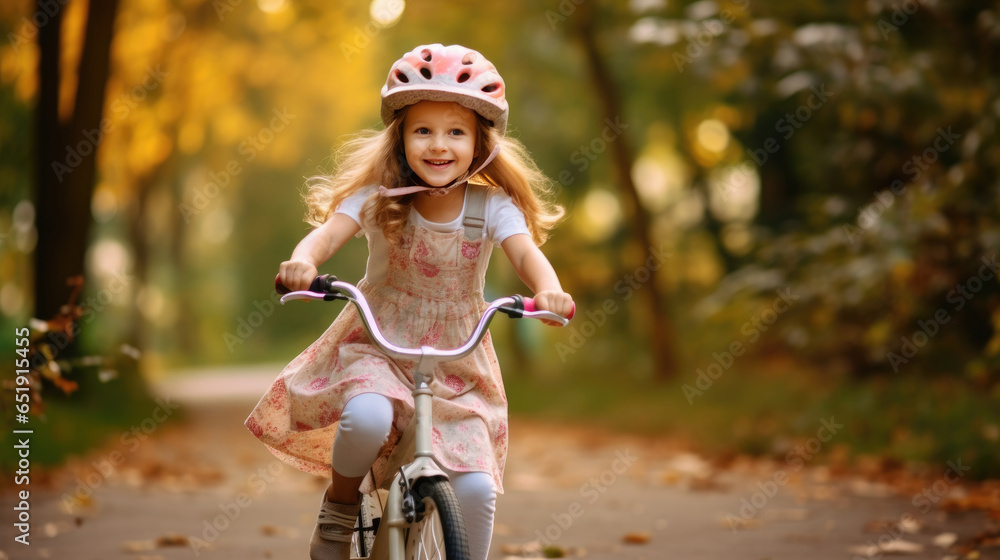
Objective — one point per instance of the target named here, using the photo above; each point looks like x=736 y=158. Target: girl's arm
x=537 y=273
x=316 y=248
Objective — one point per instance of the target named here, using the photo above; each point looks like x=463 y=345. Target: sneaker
x=331 y=540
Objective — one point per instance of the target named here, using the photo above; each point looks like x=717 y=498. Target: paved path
x=205 y=488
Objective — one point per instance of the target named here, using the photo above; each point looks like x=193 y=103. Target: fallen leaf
x=636 y=538
x=670 y=477
x=51 y=530
x=988 y=538
x=910 y=525
x=75 y=503
x=945 y=540
x=553 y=551
x=510 y=549
x=895 y=546
x=902 y=547
x=172 y=540
x=877 y=526
x=138 y=546
x=732 y=522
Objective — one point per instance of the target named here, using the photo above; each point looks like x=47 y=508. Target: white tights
x=364 y=429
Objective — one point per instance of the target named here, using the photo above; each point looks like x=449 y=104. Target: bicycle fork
x=400 y=507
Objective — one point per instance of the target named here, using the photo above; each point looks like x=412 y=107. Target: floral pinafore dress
x=432 y=295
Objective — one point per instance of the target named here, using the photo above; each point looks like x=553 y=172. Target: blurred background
x=776 y=211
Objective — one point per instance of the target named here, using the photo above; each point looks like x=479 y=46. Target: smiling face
x=439 y=139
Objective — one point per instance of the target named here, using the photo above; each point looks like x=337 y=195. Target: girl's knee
x=475 y=488
x=367 y=416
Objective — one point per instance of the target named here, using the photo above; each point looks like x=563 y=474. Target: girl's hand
x=556 y=301
x=297 y=274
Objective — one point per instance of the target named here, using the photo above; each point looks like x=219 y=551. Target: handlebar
x=327 y=288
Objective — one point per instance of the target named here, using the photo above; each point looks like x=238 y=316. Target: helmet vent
x=491 y=88
x=469 y=58
x=425 y=72
x=426 y=54
x=463 y=77
x=402 y=77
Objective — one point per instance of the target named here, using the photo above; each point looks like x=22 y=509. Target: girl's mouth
x=438 y=163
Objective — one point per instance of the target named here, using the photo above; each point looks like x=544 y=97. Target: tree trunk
x=65 y=157
x=662 y=335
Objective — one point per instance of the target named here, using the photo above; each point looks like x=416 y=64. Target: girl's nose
x=437 y=142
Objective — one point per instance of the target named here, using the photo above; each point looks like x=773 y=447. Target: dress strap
x=475 y=212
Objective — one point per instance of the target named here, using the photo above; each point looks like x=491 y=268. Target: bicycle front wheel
x=439 y=532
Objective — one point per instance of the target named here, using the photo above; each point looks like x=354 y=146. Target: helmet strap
x=439 y=191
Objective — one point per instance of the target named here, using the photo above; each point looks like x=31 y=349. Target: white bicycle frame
x=399 y=509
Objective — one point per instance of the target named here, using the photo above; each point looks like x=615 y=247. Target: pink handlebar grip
x=278 y=286
x=529 y=305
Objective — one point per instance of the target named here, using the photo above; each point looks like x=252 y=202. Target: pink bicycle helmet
x=439 y=73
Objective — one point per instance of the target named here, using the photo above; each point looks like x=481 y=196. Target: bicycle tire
x=365 y=527
x=440 y=524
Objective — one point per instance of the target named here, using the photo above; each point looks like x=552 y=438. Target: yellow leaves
x=660 y=179
x=959 y=98
x=148 y=148
x=701 y=266
x=231 y=124
x=711 y=140
x=206 y=88
x=268 y=68
x=733 y=75
x=976 y=99
x=731 y=116
x=274 y=16
x=734 y=193
x=135 y=46
x=303 y=36
x=190 y=136
x=167 y=110
x=20 y=68
x=993 y=346
x=284 y=151
x=104 y=203
x=878 y=334
x=902 y=271
x=599 y=215
x=636 y=538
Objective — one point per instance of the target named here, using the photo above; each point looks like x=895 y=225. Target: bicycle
x=421 y=510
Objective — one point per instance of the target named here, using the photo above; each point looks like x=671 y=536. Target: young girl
x=339 y=407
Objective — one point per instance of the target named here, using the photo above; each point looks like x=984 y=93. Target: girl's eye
x=457 y=132
x=423 y=130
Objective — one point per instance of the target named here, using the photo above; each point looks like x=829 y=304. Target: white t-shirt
x=503 y=219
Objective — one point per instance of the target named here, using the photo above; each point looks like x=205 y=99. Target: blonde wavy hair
x=376 y=157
